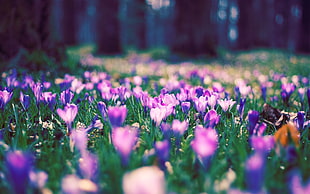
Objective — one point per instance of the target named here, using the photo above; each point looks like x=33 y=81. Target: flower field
x=137 y=125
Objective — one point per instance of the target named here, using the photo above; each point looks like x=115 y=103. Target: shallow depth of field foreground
x=137 y=125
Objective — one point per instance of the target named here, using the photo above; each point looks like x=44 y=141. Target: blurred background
x=181 y=27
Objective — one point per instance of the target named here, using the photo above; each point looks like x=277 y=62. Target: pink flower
x=179 y=127
x=124 y=139
x=205 y=142
x=226 y=104
x=117 y=115
x=201 y=104
x=68 y=114
x=147 y=180
x=157 y=115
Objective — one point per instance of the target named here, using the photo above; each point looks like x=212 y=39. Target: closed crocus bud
x=66 y=96
x=162 y=149
x=301 y=120
x=253 y=117
x=124 y=139
x=241 y=107
x=255 y=173
x=204 y=144
x=102 y=109
x=18 y=165
x=37 y=91
x=146 y=180
x=117 y=115
x=25 y=100
x=49 y=99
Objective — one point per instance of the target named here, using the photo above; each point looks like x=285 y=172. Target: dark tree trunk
x=195 y=34
x=304 y=38
x=69 y=22
x=245 y=24
x=108 y=27
x=136 y=26
x=25 y=27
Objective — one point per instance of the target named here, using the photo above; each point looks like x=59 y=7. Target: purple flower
x=204 y=144
x=300 y=120
x=201 y=104
x=185 y=106
x=157 y=115
x=162 y=149
x=262 y=144
x=253 y=117
x=287 y=90
x=102 y=109
x=117 y=115
x=5 y=97
x=212 y=100
x=49 y=98
x=254 y=173
x=264 y=92
x=66 y=96
x=241 y=107
x=179 y=127
x=308 y=96
x=37 y=91
x=88 y=165
x=226 y=104
x=148 y=179
x=68 y=114
x=211 y=119
x=19 y=166
x=25 y=100
x=79 y=139
x=297 y=186
x=124 y=139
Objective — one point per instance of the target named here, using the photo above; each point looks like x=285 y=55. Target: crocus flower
x=79 y=139
x=262 y=144
x=264 y=92
x=287 y=90
x=253 y=117
x=49 y=98
x=5 y=97
x=162 y=151
x=179 y=127
x=37 y=91
x=147 y=180
x=254 y=173
x=117 y=115
x=300 y=120
x=241 y=107
x=19 y=166
x=185 y=106
x=297 y=186
x=204 y=144
x=66 y=96
x=157 y=115
x=201 y=104
x=102 y=109
x=68 y=114
x=25 y=100
x=211 y=119
x=308 y=96
x=226 y=104
x=124 y=139
x=88 y=165
x=212 y=100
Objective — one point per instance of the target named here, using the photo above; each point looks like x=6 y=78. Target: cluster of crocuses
x=175 y=110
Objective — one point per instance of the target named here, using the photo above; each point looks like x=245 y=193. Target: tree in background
x=108 y=27
x=195 y=31
x=25 y=29
x=304 y=37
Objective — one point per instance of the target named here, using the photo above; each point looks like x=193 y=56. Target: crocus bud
x=18 y=165
x=117 y=115
x=253 y=117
